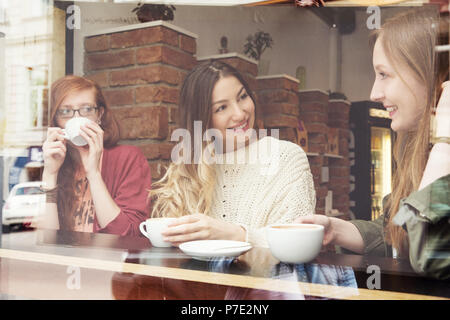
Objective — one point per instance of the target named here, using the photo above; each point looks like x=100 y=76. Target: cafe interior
x=312 y=82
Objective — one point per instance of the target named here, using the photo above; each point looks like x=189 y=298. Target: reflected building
x=33 y=51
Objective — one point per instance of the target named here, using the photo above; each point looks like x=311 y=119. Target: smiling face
x=404 y=97
x=233 y=111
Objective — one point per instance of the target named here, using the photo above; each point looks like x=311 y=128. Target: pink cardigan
x=126 y=173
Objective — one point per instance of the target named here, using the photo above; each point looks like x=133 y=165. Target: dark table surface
x=75 y=265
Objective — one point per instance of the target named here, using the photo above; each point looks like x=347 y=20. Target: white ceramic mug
x=152 y=228
x=295 y=243
x=72 y=130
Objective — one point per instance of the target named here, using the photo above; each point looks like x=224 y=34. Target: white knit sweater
x=277 y=187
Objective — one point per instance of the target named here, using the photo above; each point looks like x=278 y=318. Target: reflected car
x=23 y=205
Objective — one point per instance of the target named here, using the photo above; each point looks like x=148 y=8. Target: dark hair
x=188 y=187
x=196 y=92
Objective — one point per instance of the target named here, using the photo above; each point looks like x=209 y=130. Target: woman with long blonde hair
x=98 y=187
x=409 y=78
x=213 y=186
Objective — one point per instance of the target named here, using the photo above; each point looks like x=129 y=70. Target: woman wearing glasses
x=99 y=187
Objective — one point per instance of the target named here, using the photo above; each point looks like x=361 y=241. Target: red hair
x=60 y=89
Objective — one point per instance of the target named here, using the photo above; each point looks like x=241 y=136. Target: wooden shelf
x=312 y=154
x=329 y=155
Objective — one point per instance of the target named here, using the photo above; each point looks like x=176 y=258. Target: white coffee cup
x=152 y=228
x=295 y=243
x=73 y=128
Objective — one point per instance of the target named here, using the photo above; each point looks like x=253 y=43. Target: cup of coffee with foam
x=295 y=243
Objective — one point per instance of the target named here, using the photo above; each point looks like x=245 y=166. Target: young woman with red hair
x=99 y=187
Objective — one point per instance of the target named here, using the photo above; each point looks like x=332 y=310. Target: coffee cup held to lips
x=73 y=128
x=152 y=228
x=295 y=243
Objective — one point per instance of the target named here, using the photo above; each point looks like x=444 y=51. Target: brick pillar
x=140 y=69
x=313 y=105
x=278 y=102
x=339 y=168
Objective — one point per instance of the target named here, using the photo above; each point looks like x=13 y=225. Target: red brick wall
x=313 y=107
x=141 y=72
x=338 y=115
x=278 y=102
x=318 y=114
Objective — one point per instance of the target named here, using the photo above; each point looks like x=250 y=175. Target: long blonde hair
x=409 y=39
x=187 y=187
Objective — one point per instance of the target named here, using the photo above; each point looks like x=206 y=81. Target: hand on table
x=201 y=227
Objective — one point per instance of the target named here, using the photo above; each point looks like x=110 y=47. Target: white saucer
x=206 y=250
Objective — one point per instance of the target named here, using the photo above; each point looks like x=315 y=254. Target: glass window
x=38 y=7
x=2 y=11
x=37 y=82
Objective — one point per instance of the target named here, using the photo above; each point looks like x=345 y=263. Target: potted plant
x=255 y=46
x=223 y=45
x=152 y=12
x=257 y=43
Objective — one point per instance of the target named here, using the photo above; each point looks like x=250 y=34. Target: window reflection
x=33 y=41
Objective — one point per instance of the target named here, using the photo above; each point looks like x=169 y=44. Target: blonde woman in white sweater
x=237 y=183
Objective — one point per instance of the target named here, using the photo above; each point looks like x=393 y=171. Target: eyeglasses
x=83 y=111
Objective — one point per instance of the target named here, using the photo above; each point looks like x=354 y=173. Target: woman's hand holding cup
x=329 y=234
x=90 y=156
x=54 y=151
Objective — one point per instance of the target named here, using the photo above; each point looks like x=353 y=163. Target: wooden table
x=73 y=265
